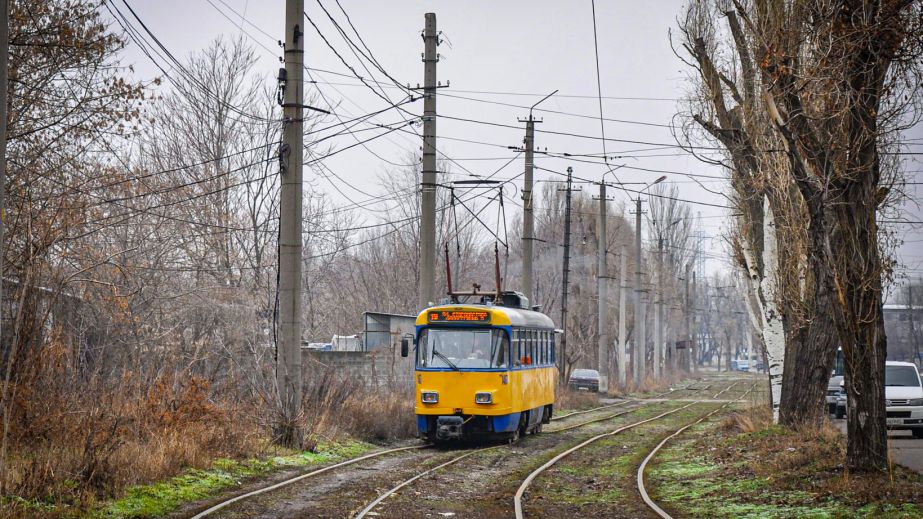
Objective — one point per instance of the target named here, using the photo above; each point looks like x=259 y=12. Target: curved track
x=623 y=402
x=640 y=475
x=295 y=479
x=517 y=500
x=642 y=403
x=384 y=495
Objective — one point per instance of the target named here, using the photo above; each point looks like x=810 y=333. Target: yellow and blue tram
x=483 y=370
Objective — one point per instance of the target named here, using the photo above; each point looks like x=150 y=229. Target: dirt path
x=482 y=485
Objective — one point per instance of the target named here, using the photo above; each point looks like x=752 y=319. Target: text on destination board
x=459 y=316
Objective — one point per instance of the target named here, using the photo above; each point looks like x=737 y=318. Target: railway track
x=517 y=500
x=296 y=479
x=371 y=506
x=617 y=404
x=365 y=512
x=409 y=481
x=640 y=475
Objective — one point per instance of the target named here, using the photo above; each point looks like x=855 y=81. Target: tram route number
x=459 y=316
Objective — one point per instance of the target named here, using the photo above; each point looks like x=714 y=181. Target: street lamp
x=640 y=350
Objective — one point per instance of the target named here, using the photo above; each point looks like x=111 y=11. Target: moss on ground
x=710 y=473
x=163 y=497
x=600 y=478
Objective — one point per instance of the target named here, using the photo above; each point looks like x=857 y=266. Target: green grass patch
x=163 y=497
x=695 y=479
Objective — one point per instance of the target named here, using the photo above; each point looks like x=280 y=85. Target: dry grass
x=649 y=384
x=75 y=440
x=752 y=419
x=809 y=459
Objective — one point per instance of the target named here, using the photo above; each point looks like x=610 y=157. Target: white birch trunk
x=765 y=286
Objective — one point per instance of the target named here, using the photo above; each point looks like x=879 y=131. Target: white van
x=904 y=397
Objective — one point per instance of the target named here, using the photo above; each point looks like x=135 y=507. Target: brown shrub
x=752 y=419
x=75 y=436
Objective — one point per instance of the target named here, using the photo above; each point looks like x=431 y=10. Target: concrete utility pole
x=623 y=287
x=528 y=221
x=602 y=292
x=658 y=312
x=695 y=340
x=288 y=361
x=565 y=273
x=688 y=316
x=638 y=352
x=428 y=184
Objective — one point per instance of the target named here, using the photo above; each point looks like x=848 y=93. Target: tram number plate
x=459 y=316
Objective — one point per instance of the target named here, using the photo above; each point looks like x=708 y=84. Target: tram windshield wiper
x=445 y=359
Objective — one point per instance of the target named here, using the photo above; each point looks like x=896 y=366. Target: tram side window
x=553 y=352
x=517 y=355
x=532 y=347
x=544 y=347
x=541 y=348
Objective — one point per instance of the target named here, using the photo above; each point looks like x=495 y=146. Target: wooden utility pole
x=602 y=292
x=566 y=271
x=623 y=288
x=428 y=184
x=288 y=356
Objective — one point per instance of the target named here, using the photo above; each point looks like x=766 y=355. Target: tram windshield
x=462 y=348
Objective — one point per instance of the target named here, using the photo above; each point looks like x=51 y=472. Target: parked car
x=740 y=365
x=903 y=398
x=833 y=390
x=584 y=380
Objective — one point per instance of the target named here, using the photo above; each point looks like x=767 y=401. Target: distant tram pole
x=623 y=334
x=602 y=290
x=564 y=276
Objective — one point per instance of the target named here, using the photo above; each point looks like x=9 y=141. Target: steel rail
x=295 y=479
x=517 y=500
x=371 y=506
x=609 y=406
x=719 y=393
x=640 y=475
x=602 y=419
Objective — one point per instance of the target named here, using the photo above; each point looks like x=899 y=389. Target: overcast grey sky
x=491 y=51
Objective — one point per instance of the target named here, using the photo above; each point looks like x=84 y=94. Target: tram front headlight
x=483 y=398
x=429 y=397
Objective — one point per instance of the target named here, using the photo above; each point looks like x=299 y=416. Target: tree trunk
x=863 y=335
x=812 y=348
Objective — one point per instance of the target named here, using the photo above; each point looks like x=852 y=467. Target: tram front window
x=462 y=348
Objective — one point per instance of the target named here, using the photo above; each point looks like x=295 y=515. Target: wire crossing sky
x=499 y=58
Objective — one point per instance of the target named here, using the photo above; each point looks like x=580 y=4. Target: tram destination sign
x=458 y=316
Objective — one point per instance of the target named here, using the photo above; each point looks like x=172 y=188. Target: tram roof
x=500 y=315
